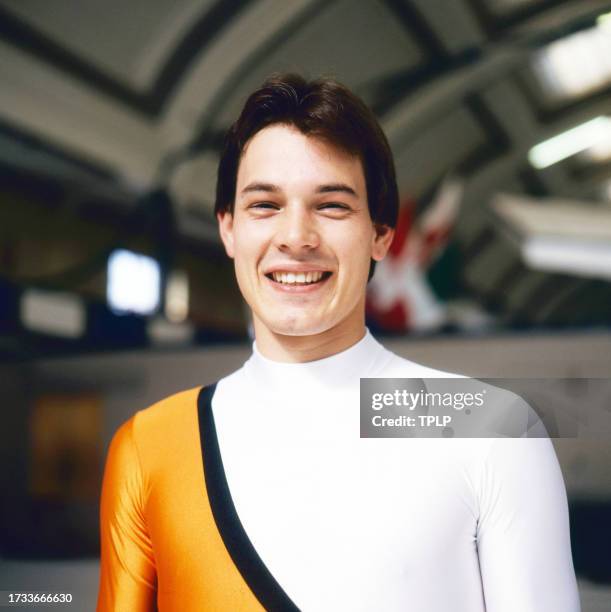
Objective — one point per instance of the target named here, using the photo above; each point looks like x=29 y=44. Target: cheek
x=356 y=245
x=246 y=244
x=250 y=248
x=354 y=252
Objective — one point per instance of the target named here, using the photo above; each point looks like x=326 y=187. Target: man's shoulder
x=395 y=366
x=168 y=411
x=168 y=428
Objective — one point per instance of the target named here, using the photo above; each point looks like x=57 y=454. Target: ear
x=225 y=220
x=381 y=241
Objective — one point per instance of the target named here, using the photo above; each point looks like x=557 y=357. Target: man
x=258 y=492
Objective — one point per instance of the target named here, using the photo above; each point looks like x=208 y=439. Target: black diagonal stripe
x=256 y=575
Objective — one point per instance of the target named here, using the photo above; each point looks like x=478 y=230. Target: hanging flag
x=400 y=297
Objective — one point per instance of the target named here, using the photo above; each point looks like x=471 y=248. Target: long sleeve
x=523 y=530
x=127 y=568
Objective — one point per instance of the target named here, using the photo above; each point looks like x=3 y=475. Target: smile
x=297 y=281
x=298 y=278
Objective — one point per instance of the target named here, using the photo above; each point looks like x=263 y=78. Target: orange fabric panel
x=159 y=539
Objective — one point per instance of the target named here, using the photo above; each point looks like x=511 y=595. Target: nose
x=297 y=230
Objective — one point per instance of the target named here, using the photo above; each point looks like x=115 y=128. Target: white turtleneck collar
x=345 y=367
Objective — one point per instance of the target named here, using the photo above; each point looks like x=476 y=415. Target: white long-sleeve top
x=425 y=525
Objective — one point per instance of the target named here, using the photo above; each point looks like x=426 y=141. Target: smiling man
x=302 y=238
x=257 y=492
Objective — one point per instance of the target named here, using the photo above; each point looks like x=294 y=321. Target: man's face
x=301 y=234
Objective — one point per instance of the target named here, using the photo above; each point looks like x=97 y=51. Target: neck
x=300 y=349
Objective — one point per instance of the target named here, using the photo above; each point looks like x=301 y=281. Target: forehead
x=282 y=155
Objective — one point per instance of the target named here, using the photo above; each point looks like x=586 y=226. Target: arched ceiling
x=124 y=86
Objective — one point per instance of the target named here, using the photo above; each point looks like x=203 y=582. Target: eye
x=264 y=206
x=334 y=205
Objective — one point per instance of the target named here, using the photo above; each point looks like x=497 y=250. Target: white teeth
x=291 y=278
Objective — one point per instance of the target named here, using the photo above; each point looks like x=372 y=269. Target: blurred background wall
x=114 y=288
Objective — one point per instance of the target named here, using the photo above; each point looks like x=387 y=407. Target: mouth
x=298 y=279
x=298 y=282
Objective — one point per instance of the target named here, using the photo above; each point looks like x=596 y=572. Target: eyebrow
x=327 y=188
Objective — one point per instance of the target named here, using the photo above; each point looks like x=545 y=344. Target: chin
x=296 y=326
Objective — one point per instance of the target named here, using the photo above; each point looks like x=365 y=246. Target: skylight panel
x=576 y=65
x=585 y=137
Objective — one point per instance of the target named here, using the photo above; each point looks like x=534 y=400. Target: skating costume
x=258 y=493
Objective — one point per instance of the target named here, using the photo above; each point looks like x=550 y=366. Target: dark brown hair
x=324 y=109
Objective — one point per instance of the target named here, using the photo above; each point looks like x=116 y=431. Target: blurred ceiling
x=113 y=100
